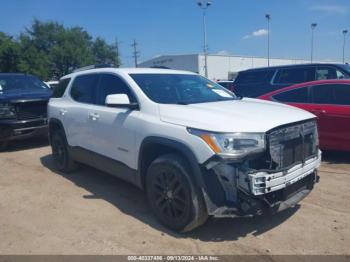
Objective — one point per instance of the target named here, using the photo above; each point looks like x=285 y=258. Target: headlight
x=232 y=145
x=7 y=111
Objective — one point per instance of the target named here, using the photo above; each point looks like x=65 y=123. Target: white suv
x=193 y=146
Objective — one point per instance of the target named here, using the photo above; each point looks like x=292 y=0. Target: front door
x=114 y=127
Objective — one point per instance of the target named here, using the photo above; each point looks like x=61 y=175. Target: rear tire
x=3 y=146
x=60 y=153
x=175 y=200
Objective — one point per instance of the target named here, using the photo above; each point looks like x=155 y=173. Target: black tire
x=60 y=153
x=3 y=146
x=175 y=200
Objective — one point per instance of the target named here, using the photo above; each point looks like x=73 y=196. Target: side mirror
x=120 y=100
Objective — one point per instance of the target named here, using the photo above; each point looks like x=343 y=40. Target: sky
x=161 y=27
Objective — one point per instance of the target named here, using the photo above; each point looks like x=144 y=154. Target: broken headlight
x=232 y=145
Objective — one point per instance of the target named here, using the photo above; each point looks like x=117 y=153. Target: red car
x=329 y=100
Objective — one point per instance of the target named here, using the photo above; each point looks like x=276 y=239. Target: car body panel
x=245 y=115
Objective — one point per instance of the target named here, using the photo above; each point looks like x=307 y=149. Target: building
x=220 y=67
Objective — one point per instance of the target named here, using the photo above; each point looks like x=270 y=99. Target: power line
x=136 y=54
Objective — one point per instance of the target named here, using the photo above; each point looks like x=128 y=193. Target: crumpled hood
x=245 y=115
x=22 y=94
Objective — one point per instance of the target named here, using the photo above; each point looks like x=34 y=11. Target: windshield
x=181 y=89
x=20 y=82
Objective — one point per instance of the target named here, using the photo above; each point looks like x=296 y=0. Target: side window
x=111 y=84
x=259 y=76
x=341 y=75
x=294 y=75
x=299 y=95
x=59 y=90
x=322 y=94
x=327 y=72
x=342 y=94
x=84 y=88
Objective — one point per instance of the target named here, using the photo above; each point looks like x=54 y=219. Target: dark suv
x=23 y=107
x=259 y=81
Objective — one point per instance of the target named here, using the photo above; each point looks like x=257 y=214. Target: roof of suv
x=290 y=66
x=130 y=71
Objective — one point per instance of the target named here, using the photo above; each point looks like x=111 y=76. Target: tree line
x=50 y=50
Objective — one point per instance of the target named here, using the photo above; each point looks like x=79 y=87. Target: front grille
x=293 y=144
x=31 y=110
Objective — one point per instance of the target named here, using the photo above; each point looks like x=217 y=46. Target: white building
x=220 y=67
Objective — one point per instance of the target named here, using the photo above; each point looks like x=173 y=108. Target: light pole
x=204 y=4
x=344 y=40
x=268 y=18
x=313 y=26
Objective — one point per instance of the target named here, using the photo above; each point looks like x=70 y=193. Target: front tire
x=173 y=196
x=61 y=154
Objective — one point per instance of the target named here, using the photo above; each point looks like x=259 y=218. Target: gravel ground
x=89 y=212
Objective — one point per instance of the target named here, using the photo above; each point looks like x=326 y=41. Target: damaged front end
x=269 y=181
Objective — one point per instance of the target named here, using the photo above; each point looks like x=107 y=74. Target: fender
x=178 y=146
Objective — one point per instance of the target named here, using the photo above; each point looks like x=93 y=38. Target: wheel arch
x=153 y=147
x=54 y=125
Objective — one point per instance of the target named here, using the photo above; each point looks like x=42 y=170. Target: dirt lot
x=89 y=212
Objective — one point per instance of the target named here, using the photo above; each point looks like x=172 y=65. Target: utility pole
x=313 y=26
x=268 y=18
x=136 y=53
x=204 y=4
x=344 y=40
x=117 y=50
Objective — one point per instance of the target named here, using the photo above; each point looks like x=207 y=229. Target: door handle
x=63 y=112
x=94 y=116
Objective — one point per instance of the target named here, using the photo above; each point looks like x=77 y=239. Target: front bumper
x=240 y=191
x=22 y=129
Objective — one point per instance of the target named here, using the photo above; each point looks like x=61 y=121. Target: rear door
x=77 y=115
x=331 y=103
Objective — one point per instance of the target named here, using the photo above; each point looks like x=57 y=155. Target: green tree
x=9 y=54
x=104 y=53
x=50 y=50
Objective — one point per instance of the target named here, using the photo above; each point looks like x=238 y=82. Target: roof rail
x=89 y=67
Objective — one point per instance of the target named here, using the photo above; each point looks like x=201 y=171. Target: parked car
x=193 y=146
x=227 y=84
x=23 y=107
x=259 y=81
x=329 y=100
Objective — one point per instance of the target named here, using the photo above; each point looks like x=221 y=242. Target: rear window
x=327 y=72
x=294 y=75
x=58 y=90
x=251 y=77
x=332 y=94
